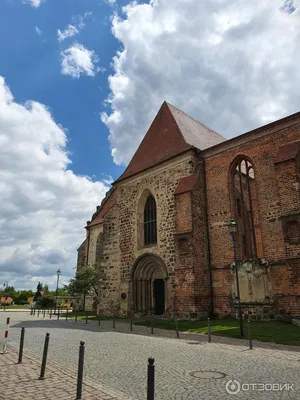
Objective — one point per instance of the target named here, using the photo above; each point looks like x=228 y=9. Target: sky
x=82 y=80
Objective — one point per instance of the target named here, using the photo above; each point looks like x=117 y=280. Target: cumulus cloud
x=43 y=203
x=231 y=64
x=33 y=3
x=77 y=60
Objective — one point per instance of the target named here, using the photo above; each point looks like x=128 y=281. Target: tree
x=38 y=294
x=45 y=301
x=46 y=288
x=88 y=281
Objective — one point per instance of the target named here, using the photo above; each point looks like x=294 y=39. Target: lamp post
x=232 y=227
x=58 y=272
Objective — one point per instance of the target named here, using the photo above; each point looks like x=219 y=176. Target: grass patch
x=90 y=315
x=266 y=331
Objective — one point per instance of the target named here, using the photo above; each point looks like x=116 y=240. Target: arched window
x=150 y=232
x=245 y=208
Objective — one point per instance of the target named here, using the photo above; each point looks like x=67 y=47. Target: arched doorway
x=149 y=285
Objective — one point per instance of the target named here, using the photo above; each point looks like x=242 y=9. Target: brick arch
x=242 y=180
x=140 y=215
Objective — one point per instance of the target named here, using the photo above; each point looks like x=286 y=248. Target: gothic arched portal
x=149 y=285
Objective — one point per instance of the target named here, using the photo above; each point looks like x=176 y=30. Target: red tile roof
x=186 y=184
x=109 y=202
x=172 y=132
x=288 y=152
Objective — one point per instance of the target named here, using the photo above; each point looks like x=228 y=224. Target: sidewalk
x=20 y=381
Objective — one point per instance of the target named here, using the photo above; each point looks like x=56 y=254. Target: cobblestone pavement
x=20 y=381
x=117 y=360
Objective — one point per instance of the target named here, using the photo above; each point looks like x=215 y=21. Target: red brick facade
x=196 y=195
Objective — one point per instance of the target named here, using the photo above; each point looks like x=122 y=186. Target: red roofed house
x=162 y=230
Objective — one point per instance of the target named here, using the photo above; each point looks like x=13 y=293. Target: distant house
x=6 y=300
x=65 y=301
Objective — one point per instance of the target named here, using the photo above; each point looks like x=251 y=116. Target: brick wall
x=277 y=191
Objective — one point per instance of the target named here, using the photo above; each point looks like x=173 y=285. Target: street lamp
x=232 y=227
x=58 y=272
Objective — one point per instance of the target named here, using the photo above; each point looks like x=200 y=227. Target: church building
x=162 y=231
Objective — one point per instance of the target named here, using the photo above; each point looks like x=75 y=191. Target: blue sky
x=30 y=63
x=82 y=80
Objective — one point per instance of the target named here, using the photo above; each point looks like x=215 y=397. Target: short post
x=21 y=345
x=4 y=351
x=67 y=315
x=176 y=326
x=76 y=316
x=50 y=313
x=99 y=318
x=44 y=312
x=250 y=335
x=38 y=314
x=58 y=313
x=86 y=317
x=152 y=324
x=114 y=320
x=80 y=371
x=150 y=382
x=43 y=368
x=208 y=329
x=31 y=311
x=131 y=323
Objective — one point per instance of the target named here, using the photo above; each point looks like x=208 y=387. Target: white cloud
x=73 y=29
x=44 y=205
x=33 y=3
x=38 y=30
x=68 y=32
x=231 y=64
x=77 y=60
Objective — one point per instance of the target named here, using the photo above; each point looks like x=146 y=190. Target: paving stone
x=116 y=361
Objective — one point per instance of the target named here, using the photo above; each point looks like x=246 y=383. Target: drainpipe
x=208 y=254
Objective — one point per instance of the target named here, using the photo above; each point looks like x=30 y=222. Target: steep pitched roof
x=107 y=203
x=171 y=133
x=194 y=132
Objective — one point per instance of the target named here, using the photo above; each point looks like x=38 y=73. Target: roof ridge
x=194 y=119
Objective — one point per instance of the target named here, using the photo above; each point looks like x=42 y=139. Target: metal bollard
x=99 y=318
x=80 y=371
x=50 y=314
x=176 y=326
x=38 y=314
x=43 y=367
x=150 y=382
x=76 y=317
x=44 y=312
x=21 y=345
x=86 y=317
x=58 y=313
x=131 y=323
x=114 y=320
x=208 y=328
x=152 y=324
x=249 y=335
x=67 y=315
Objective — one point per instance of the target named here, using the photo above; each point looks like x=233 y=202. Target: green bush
x=45 y=301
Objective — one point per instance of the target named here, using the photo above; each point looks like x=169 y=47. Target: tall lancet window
x=150 y=231
x=245 y=206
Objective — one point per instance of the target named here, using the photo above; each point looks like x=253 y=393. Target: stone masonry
x=188 y=169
